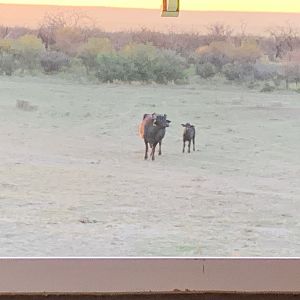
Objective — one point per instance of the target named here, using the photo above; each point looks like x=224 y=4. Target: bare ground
x=73 y=181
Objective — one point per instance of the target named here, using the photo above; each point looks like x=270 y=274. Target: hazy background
x=114 y=19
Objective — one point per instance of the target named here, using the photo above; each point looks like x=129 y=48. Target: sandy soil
x=73 y=181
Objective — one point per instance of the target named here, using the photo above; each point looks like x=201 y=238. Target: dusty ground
x=73 y=181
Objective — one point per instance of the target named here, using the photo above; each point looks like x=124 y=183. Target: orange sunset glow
x=194 y=5
x=118 y=15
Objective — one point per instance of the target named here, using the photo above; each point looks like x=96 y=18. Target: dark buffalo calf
x=189 y=135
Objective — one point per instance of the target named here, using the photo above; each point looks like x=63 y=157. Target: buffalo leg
x=189 y=146
x=146 y=150
x=183 y=147
x=159 y=150
x=153 y=151
x=194 y=144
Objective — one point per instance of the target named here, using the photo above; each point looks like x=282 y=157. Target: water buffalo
x=152 y=129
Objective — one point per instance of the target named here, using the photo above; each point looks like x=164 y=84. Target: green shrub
x=238 y=71
x=8 y=64
x=91 y=49
x=231 y=72
x=141 y=62
x=168 y=67
x=28 y=49
x=206 y=70
x=267 y=88
x=253 y=85
x=112 y=67
x=5 y=45
x=53 y=61
x=265 y=71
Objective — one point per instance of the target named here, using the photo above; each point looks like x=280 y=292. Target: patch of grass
x=267 y=88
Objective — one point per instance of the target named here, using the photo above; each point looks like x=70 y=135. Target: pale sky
x=202 y=5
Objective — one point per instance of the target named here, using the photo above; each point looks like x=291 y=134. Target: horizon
x=256 y=6
x=147 y=9
x=120 y=19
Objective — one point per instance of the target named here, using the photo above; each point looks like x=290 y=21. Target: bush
x=218 y=59
x=253 y=85
x=218 y=53
x=238 y=71
x=142 y=63
x=291 y=73
x=206 y=70
x=69 y=39
x=231 y=72
x=266 y=71
x=248 y=52
x=143 y=60
x=90 y=50
x=267 y=88
x=112 y=67
x=53 y=61
x=237 y=59
x=28 y=49
x=7 y=64
x=168 y=67
x=5 y=45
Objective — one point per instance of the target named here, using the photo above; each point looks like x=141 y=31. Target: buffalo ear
x=168 y=121
x=183 y=125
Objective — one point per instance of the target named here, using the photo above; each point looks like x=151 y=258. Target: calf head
x=187 y=125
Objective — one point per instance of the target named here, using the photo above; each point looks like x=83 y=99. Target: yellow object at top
x=170 y=8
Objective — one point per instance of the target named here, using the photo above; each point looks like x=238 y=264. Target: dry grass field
x=73 y=180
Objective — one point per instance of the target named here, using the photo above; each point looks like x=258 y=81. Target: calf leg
x=194 y=144
x=189 y=151
x=183 y=147
x=146 y=150
x=159 y=150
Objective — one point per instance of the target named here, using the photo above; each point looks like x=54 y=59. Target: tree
x=4 y=31
x=248 y=52
x=218 y=32
x=55 y=23
x=218 y=53
x=50 y=24
x=284 y=39
x=69 y=39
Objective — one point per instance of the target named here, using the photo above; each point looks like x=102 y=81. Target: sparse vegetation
x=267 y=88
x=73 y=44
x=7 y=64
x=54 y=61
x=140 y=62
x=206 y=70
